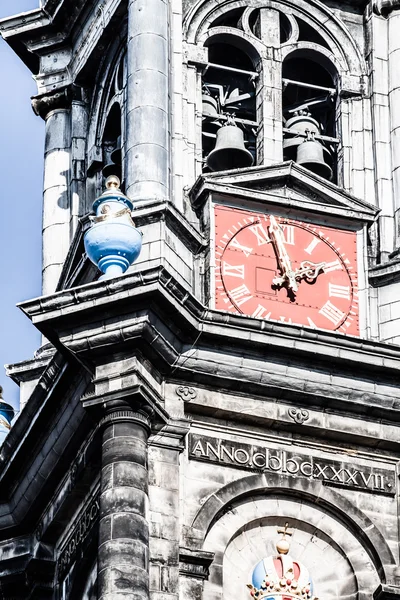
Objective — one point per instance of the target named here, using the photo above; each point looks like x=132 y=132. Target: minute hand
x=285 y=265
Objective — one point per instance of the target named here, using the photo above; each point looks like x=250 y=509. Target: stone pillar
x=394 y=105
x=377 y=61
x=79 y=127
x=147 y=165
x=269 y=91
x=123 y=555
x=56 y=200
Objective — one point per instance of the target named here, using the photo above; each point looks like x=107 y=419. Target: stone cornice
x=176 y=318
x=300 y=189
x=385 y=7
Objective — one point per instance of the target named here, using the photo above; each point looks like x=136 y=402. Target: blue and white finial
x=6 y=416
x=280 y=577
x=113 y=243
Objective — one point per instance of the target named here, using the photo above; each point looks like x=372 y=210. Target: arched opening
x=309 y=111
x=229 y=106
x=112 y=143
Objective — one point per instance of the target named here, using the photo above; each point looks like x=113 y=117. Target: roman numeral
x=240 y=295
x=283 y=320
x=246 y=251
x=288 y=234
x=260 y=233
x=311 y=323
x=233 y=270
x=259 y=313
x=332 y=313
x=339 y=291
x=312 y=245
x=336 y=265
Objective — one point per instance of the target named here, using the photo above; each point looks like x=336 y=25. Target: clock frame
x=286 y=270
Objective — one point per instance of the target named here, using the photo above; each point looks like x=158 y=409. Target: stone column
x=269 y=91
x=56 y=201
x=394 y=105
x=377 y=61
x=147 y=165
x=79 y=129
x=123 y=555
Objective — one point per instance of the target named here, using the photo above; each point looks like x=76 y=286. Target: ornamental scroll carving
x=186 y=393
x=299 y=415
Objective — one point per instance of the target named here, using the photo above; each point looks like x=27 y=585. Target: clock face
x=279 y=269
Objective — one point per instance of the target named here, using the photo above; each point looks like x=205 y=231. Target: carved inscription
x=335 y=473
x=78 y=535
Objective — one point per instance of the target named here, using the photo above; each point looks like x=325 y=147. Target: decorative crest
x=280 y=577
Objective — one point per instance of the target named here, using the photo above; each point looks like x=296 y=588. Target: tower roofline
x=33 y=32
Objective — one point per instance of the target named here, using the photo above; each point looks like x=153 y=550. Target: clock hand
x=284 y=263
x=309 y=270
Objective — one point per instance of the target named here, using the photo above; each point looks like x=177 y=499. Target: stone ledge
x=195 y=563
x=387 y=592
x=385 y=274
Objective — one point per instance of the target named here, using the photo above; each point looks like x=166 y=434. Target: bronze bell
x=310 y=154
x=111 y=168
x=229 y=151
x=210 y=106
x=301 y=124
x=116 y=154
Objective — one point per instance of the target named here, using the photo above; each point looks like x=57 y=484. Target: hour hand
x=309 y=271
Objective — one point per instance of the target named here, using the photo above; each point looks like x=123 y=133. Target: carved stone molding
x=385 y=7
x=141 y=417
x=195 y=563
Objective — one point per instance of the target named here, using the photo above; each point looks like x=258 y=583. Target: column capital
x=120 y=413
x=136 y=404
x=60 y=98
x=385 y=7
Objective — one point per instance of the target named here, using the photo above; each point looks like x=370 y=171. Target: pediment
x=286 y=184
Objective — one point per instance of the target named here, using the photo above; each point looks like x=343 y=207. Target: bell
x=300 y=124
x=210 y=106
x=310 y=154
x=116 y=154
x=229 y=151
x=111 y=168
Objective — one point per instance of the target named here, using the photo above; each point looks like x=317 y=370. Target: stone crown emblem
x=280 y=577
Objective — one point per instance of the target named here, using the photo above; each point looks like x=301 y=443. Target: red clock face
x=275 y=268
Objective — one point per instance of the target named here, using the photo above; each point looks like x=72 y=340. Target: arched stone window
x=105 y=142
x=268 y=63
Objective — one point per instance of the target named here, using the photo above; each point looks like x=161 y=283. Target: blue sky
x=21 y=172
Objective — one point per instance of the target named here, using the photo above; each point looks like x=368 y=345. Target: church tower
x=214 y=410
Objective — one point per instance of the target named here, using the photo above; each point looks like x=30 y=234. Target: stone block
x=124 y=449
x=163 y=501
x=166 y=455
x=124 y=579
x=130 y=526
x=131 y=475
x=164 y=551
x=164 y=475
x=115 y=553
x=123 y=500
